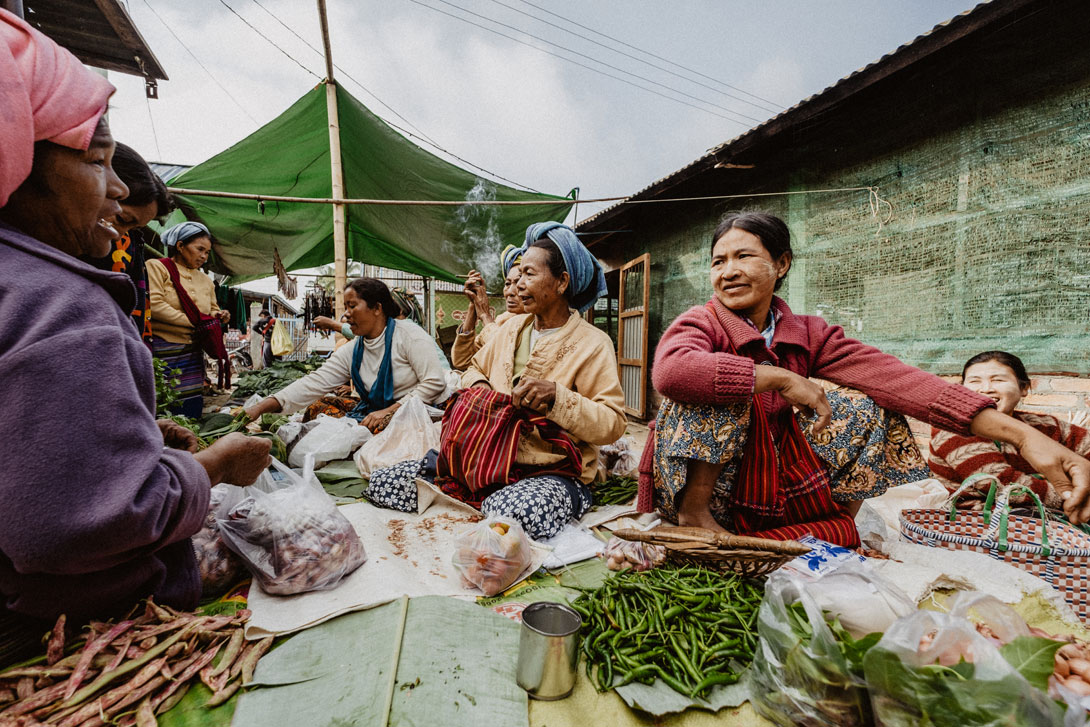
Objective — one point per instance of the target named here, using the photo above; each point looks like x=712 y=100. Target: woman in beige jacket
x=172 y=334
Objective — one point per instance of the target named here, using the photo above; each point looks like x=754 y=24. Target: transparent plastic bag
x=621 y=554
x=862 y=600
x=409 y=435
x=804 y=675
x=332 y=438
x=492 y=554
x=619 y=459
x=936 y=668
x=219 y=567
x=289 y=532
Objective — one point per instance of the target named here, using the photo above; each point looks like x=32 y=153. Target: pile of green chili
x=690 y=627
x=614 y=491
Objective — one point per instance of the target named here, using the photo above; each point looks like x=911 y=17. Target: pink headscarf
x=45 y=93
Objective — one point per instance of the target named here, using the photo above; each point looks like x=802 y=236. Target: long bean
x=690 y=627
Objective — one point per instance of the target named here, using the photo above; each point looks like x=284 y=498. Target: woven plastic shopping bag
x=1054 y=551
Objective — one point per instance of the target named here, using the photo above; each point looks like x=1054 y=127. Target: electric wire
x=633 y=57
x=154 y=135
x=269 y=40
x=420 y=135
x=198 y=60
x=582 y=65
x=600 y=62
x=777 y=107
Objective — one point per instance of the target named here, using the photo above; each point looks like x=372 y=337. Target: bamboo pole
x=340 y=258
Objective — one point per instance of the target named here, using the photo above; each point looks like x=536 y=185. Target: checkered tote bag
x=1052 y=550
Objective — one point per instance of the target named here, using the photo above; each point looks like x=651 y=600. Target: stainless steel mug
x=548 y=650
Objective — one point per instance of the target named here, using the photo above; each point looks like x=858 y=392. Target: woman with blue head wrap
x=188 y=245
x=547 y=362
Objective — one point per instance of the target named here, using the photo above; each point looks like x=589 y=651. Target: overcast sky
x=533 y=118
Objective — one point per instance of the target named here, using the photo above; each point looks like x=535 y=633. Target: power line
x=581 y=65
x=778 y=107
x=422 y=136
x=635 y=58
x=198 y=60
x=154 y=136
x=601 y=62
x=274 y=45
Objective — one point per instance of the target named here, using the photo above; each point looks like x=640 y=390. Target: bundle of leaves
x=274 y=378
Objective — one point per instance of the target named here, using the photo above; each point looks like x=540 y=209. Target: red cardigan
x=691 y=366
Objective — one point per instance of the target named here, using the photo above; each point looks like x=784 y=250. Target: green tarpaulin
x=290 y=157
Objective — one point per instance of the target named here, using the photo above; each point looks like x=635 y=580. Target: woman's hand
x=802 y=393
x=235 y=459
x=326 y=323
x=376 y=421
x=474 y=282
x=268 y=405
x=224 y=316
x=535 y=394
x=176 y=436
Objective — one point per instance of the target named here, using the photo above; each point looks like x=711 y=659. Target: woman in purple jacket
x=97 y=513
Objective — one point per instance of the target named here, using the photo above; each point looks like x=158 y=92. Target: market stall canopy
x=290 y=157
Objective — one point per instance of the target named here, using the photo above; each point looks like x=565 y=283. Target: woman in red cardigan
x=1002 y=377
x=729 y=452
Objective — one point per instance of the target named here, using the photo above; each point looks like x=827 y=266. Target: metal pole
x=340 y=257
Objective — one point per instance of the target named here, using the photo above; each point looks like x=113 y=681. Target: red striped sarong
x=477 y=447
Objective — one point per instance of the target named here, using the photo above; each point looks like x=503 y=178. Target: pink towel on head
x=45 y=93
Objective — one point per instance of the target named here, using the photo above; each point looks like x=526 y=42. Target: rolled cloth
x=588 y=281
x=510 y=257
x=45 y=94
x=183 y=231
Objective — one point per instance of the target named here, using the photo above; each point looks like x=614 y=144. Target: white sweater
x=415 y=365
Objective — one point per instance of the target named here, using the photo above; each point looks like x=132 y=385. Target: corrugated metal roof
x=98 y=32
x=940 y=36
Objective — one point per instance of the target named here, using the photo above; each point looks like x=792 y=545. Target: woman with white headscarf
x=173 y=340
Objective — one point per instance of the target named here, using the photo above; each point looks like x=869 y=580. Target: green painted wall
x=983 y=155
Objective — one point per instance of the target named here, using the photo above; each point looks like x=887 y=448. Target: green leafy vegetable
x=1033 y=657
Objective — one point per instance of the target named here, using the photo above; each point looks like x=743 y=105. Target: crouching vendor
x=389 y=360
x=729 y=451
x=97 y=513
x=542 y=394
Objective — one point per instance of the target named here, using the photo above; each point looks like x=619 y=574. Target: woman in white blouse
x=389 y=360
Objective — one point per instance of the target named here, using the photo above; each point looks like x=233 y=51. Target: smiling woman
x=729 y=451
x=1000 y=376
x=97 y=512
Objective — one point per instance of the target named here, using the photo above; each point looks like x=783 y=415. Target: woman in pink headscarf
x=97 y=514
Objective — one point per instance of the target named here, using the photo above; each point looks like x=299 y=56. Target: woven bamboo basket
x=723 y=552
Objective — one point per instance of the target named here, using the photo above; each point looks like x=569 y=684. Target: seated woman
x=174 y=335
x=468 y=342
x=389 y=360
x=729 y=452
x=1001 y=377
x=148 y=199
x=550 y=360
x=97 y=513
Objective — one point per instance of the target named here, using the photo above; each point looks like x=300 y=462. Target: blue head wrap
x=510 y=257
x=182 y=232
x=588 y=281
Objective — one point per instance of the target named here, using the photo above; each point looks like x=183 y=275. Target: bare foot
x=702 y=520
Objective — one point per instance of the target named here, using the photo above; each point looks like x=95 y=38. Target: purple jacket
x=95 y=513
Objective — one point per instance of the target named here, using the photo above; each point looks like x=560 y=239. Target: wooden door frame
x=622 y=314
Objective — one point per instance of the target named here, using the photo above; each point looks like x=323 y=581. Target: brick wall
x=1064 y=396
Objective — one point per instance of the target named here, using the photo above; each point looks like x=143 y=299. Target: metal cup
x=548 y=650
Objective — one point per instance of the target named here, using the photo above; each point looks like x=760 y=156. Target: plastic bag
x=409 y=435
x=218 y=565
x=289 y=532
x=935 y=668
x=281 y=341
x=803 y=673
x=619 y=459
x=621 y=554
x=492 y=554
x=863 y=601
x=331 y=438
